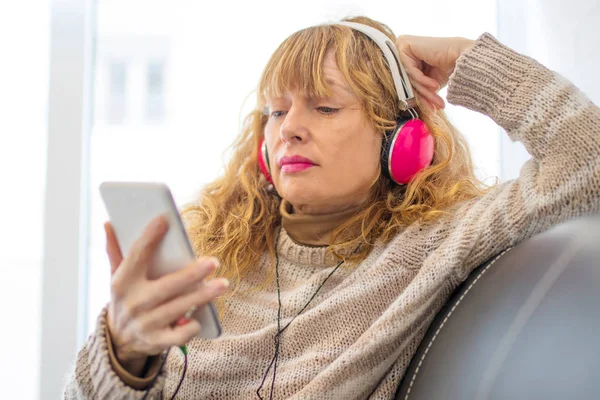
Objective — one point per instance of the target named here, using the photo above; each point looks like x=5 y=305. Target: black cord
x=185 y=363
x=277 y=337
x=156 y=377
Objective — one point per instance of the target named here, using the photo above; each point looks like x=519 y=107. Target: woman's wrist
x=134 y=365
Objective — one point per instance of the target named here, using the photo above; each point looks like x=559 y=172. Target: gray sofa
x=525 y=325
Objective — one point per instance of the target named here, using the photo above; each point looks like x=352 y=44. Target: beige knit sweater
x=358 y=335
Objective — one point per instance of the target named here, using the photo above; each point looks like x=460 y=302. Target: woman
x=348 y=266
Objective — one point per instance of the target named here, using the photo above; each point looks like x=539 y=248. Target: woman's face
x=324 y=153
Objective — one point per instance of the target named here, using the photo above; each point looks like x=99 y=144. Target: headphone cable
x=184 y=350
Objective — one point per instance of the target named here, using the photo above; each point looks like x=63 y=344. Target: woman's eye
x=327 y=110
x=276 y=114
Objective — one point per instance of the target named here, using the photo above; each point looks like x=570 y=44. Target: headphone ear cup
x=408 y=150
x=390 y=137
x=263 y=161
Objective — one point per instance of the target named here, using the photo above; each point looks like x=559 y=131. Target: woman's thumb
x=112 y=248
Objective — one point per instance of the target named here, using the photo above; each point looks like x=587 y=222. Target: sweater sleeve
x=558 y=126
x=152 y=367
x=93 y=376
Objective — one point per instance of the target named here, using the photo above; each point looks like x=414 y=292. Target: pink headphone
x=408 y=149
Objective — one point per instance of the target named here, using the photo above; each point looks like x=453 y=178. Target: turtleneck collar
x=309 y=229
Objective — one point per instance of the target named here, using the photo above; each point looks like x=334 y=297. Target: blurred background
x=155 y=90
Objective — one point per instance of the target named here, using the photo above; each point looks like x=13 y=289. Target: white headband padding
x=401 y=82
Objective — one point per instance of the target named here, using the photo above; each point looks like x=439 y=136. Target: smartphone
x=131 y=206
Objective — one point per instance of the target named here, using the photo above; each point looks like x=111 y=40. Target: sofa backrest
x=525 y=325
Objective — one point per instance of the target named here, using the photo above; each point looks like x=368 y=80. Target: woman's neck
x=321 y=210
x=313 y=228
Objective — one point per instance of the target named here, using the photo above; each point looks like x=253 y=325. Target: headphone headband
x=401 y=82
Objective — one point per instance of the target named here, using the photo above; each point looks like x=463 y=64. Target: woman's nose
x=294 y=126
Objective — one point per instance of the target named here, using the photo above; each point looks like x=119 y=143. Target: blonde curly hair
x=235 y=218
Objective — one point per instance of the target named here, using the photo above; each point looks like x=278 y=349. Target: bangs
x=297 y=65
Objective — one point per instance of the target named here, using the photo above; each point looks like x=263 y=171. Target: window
x=117 y=100
x=155 y=92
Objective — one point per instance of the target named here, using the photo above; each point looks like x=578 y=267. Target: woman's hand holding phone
x=142 y=313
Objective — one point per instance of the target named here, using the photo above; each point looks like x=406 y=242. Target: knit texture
x=359 y=334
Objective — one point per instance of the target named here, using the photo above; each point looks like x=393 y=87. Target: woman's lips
x=296 y=167
x=290 y=164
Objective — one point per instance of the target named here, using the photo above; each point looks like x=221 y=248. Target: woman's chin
x=299 y=194
x=299 y=198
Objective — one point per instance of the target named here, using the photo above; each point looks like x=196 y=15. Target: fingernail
x=190 y=312
x=219 y=283
x=210 y=263
x=215 y=261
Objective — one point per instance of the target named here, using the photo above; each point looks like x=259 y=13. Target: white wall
x=562 y=35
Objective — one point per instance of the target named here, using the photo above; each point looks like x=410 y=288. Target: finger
x=136 y=261
x=408 y=57
x=168 y=313
x=430 y=96
x=414 y=65
x=112 y=248
x=416 y=75
x=180 y=282
x=422 y=48
x=180 y=334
